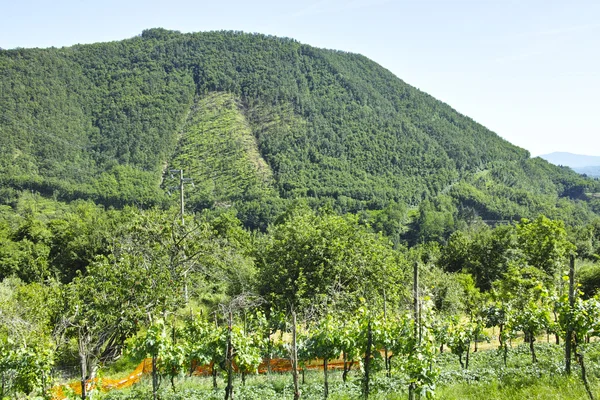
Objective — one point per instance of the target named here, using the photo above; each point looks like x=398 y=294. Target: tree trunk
x=467 y=358
x=154 y=379
x=214 y=375
x=325 y=382
x=387 y=364
x=569 y=332
x=390 y=364
x=192 y=367
x=269 y=356
x=532 y=348
x=501 y=327
x=87 y=362
x=295 y=358
x=83 y=362
x=583 y=375
x=368 y=360
x=229 y=360
x=345 y=373
x=385 y=349
x=411 y=391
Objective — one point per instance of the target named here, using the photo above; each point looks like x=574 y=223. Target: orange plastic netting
x=278 y=365
x=145 y=367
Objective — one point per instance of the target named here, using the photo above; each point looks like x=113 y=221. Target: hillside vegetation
x=332 y=203
x=255 y=121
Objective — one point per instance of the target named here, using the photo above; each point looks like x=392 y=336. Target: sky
x=529 y=70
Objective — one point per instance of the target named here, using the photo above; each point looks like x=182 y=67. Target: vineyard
x=404 y=350
x=318 y=306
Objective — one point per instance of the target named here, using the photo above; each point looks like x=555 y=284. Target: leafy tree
x=350 y=339
x=104 y=307
x=544 y=243
x=414 y=349
x=309 y=259
x=27 y=351
x=482 y=252
x=436 y=219
x=25 y=369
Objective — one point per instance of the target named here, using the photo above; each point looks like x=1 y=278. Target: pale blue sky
x=528 y=70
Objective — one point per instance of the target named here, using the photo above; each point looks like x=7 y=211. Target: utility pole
x=182 y=181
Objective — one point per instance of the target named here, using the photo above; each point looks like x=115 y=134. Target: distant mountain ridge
x=571 y=160
x=592 y=171
x=582 y=164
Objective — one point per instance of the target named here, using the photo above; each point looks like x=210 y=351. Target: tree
x=25 y=368
x=544 y=243
x=350 y=338
x=106 y=306
x=309 y=259
x=414 y=349
x=27 y=351
x=480 y=251
x=436 y=219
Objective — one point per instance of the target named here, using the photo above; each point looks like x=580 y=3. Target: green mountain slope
x=254 y=120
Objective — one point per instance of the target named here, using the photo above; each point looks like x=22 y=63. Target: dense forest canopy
x=254 y=120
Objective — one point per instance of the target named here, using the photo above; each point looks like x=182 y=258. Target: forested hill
x=255 y=121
